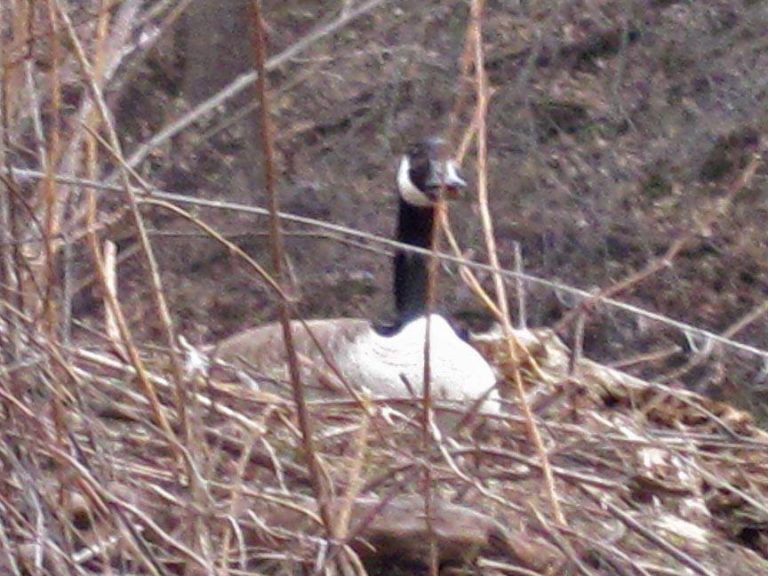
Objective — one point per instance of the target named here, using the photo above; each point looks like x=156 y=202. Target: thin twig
x=444 y=256
x=259 y=47
x=522 y=313
x=482 y=187
x=11 y=290
x=157 y=291
x=649 y=535
x=427 y=410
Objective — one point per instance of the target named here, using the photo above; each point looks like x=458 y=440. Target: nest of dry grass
x=651 y=480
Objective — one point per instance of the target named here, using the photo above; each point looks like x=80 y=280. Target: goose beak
x=446 y=175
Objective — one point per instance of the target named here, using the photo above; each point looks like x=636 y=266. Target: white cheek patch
x=407 y=189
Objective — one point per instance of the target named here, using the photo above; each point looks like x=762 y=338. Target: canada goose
x=389 y=361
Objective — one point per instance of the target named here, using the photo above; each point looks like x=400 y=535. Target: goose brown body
x=262 y=347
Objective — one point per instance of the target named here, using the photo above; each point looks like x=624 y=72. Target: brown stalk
x=258 y=42
x=110 y=273
x=9 y=252
x=427 y=389
x=92 y=172
x=146 y=386
x=47 y=260
x=99 y=61
x=51 y=229
x=157 y=290
x=481 y=81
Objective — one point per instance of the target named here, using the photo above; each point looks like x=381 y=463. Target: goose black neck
x=414 y=227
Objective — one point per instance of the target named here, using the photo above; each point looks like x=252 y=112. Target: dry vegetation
x=616 y=144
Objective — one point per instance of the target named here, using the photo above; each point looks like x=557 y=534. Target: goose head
x=425 y=170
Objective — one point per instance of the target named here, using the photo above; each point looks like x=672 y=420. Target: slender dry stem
x=456 y=258
x=157 y=288
x=305 y=421
x=482 y=187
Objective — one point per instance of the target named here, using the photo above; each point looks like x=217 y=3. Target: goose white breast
x=384 y=364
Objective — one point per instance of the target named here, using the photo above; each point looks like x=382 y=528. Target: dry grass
x=650 y=479
x=122 y=456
